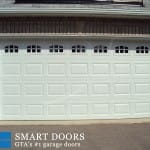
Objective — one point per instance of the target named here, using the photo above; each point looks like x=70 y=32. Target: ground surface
x=97 y=137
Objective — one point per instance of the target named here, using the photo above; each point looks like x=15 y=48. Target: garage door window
x=142 y=49
x=100 y=49
x=78 y=49
x=11 y=49
x=121 y=49
x=33 y=49
x=56 y=49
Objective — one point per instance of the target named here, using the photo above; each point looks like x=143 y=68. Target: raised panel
x=56 y=109
x=11 y=109
x=143 y=108
x=101 y=89
x=79 y=109
x=33 y=69
x=122 y=88
x=100 y=109
x=56 y=69
x=122 y=108
x=56 y=89
x=101 y=68
x=79 y=89
x=122 y=68
x=11 y=69
x=79 y=68
x=142 y=68
x=34 y=109
x=33 y=89
x=11 y=89
x=142 y=88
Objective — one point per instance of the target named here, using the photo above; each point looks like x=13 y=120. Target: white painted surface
x=69 y=86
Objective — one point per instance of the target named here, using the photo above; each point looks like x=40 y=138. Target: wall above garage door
x=74 y=26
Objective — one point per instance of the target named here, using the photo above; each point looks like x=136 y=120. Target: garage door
x=74 y=79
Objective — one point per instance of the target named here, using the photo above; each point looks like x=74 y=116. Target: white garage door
x=82 y=79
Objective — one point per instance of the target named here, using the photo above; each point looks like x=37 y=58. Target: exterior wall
x=146 y=3
x=7 y=1
x=74 y=25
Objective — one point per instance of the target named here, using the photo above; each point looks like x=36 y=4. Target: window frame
x=34 y=48
x=121 y=49
x=142 y=49
x=100 y=49
x=11 y=48
x=56 y=48
x=78 y=49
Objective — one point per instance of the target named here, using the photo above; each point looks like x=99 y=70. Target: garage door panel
x=33 y=69
x=11 y=89
x=45 y=79
x=122 y=68
x=77 y=79
x=142 y=108
x=100 y=109
x=34 y=58
x=56 y=69
x=79 y=89
x=33 y=90
x=10 y=58
x=100 y=79
x=122 y=89
x=57 y=109
x=67 y=86
x=77 y=68
x=101 y=89
x=79 y=109
x=73 y=57
x=121 y=98
x=101 y=68
x=11 y=79
x=140 y=98
x=12 y=110
x=19 y=79
x=141 y=77
x=34 y=110
x=142 y=88
x=11 y=69
x=122 y=109
x=56 y=89
x=10 y=118
x=141 y=80
x=143 y=68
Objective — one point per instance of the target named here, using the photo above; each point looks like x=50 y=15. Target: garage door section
x=74 y=80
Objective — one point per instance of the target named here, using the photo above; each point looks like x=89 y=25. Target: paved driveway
x=97 y=136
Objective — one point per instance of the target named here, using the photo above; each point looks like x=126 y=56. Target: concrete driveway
x=96 y=136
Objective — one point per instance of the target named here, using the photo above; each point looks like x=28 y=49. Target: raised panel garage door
x=66 y=80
